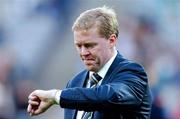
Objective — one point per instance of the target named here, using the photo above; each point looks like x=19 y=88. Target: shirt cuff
x=57 y=96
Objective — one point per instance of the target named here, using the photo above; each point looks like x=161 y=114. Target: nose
x=84 y=51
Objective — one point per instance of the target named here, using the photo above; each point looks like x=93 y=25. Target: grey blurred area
x=37 y=50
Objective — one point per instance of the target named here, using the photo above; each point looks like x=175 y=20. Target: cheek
x=100 y=54
x=99 y=58
x=103 y=55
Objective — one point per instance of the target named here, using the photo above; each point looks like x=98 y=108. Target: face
x=94 y=50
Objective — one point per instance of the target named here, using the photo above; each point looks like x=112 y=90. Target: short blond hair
x=103 y=17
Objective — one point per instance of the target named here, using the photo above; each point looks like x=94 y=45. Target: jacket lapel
x=84 y=79
x=82 y=82
x=114 y=65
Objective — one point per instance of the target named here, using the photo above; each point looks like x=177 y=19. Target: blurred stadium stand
x=36 y=44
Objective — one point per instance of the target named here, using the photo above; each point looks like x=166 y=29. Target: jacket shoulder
x=121 y=63
x=131 y=69
x=131 y=65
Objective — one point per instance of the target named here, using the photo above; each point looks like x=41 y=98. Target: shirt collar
x=102 y=72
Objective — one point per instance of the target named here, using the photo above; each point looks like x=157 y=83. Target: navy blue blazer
x=123 y=93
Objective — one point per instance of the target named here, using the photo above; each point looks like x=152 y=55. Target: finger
x=31 y=113
x=29 y=108
x=32 y=102
x=32 y=97
x=34 y=93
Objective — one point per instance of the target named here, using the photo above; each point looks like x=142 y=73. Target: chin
x=93 y=69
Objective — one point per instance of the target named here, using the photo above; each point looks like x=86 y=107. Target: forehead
x=86 y=35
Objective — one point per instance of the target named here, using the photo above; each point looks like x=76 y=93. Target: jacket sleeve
x=125 y=90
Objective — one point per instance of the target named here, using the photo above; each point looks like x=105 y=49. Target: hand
x=40 y=101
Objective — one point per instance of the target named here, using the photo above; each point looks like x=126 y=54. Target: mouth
x=88 y=61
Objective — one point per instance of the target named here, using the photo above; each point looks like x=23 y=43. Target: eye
x=90 y=45
x=78 y=45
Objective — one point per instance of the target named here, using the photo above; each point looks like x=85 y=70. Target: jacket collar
x=115 y=64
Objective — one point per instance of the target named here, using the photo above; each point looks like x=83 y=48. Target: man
x=121 y=87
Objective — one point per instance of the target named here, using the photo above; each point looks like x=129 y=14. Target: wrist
x=56 y=96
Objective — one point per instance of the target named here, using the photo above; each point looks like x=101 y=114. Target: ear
x=112 y=40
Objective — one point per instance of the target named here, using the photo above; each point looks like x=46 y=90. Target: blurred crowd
x=36 y=40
